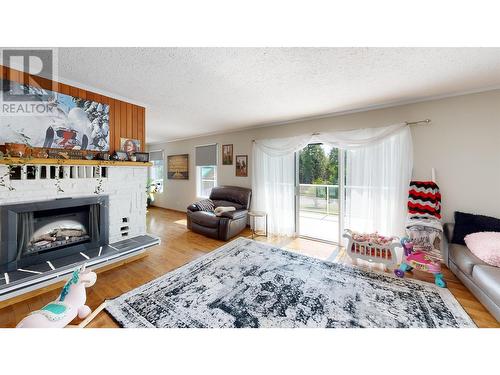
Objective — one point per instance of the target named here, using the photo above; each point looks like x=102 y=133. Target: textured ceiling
x=194 y=91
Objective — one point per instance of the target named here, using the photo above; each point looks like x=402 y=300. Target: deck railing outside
x=319 y=198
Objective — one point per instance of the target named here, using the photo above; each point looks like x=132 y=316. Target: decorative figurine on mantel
x=15 y=150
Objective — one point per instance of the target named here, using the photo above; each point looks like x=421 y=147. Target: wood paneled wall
x=126 y=120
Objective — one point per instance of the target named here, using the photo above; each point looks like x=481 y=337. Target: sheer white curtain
x=273 y=182
x=376 y=186
x=379 y=163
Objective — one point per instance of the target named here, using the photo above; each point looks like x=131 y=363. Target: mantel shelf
x=41 y=161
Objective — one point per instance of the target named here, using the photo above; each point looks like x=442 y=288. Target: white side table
x=253 y=215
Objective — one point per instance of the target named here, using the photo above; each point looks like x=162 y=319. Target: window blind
x=156 y=155
x=206 y=155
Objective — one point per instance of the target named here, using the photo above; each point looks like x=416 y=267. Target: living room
x=268 y=184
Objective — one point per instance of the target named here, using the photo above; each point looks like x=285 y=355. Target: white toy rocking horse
x=69 y=304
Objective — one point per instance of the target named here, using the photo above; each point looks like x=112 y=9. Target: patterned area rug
x=250 y=284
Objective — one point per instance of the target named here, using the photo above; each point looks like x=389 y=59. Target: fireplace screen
x=41 y=231
x=47 y=230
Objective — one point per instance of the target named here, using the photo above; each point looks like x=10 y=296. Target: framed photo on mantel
x=130 y=145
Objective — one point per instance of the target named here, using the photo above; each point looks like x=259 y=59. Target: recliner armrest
x=193 y=208
x=233 y=215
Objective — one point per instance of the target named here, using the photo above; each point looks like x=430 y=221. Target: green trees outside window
x=319 y=165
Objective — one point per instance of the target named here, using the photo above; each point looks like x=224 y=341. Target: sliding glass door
x=319 y=193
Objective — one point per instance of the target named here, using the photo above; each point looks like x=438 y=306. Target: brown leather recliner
x=229 y=224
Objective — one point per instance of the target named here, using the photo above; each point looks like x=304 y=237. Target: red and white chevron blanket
x=424 y=200
x=423 y=225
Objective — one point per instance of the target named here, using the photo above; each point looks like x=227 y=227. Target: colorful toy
x=372 y=247
x=424 y=228
x=69 y=304
x=419 y=260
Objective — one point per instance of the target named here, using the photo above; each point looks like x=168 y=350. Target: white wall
x=462 y=144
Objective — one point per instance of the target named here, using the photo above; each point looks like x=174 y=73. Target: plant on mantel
x=3 y=177
x=99 y=189
x=57 y=183
x=26 y=142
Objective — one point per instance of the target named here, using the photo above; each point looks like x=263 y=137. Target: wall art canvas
x=227 y=154
x=241 y=165
x=61 y=121
x=178 y=167
x=130 y=145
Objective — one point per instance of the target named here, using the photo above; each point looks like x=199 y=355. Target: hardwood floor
x=180 y=246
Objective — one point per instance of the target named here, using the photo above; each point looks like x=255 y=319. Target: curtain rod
x=426 y=121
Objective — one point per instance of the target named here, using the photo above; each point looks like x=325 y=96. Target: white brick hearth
x=125 y=186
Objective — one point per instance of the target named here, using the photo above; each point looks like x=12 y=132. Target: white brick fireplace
x=125 y=186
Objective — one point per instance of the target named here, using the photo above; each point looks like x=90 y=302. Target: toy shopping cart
x=421 y=261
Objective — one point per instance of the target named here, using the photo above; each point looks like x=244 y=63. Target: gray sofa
x=482 y=279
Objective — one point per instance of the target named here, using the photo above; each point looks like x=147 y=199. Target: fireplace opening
x=49 y=230
x=43 y=231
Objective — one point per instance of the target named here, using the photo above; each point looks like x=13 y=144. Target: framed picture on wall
x=241 y=165
x=227 y=154
x=72 y=123
x=178 y=167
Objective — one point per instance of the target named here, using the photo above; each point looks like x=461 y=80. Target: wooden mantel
x=42 y=161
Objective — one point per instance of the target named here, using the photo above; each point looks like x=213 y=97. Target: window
x=206 y=169
x=207 y=179
x=156 y=172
